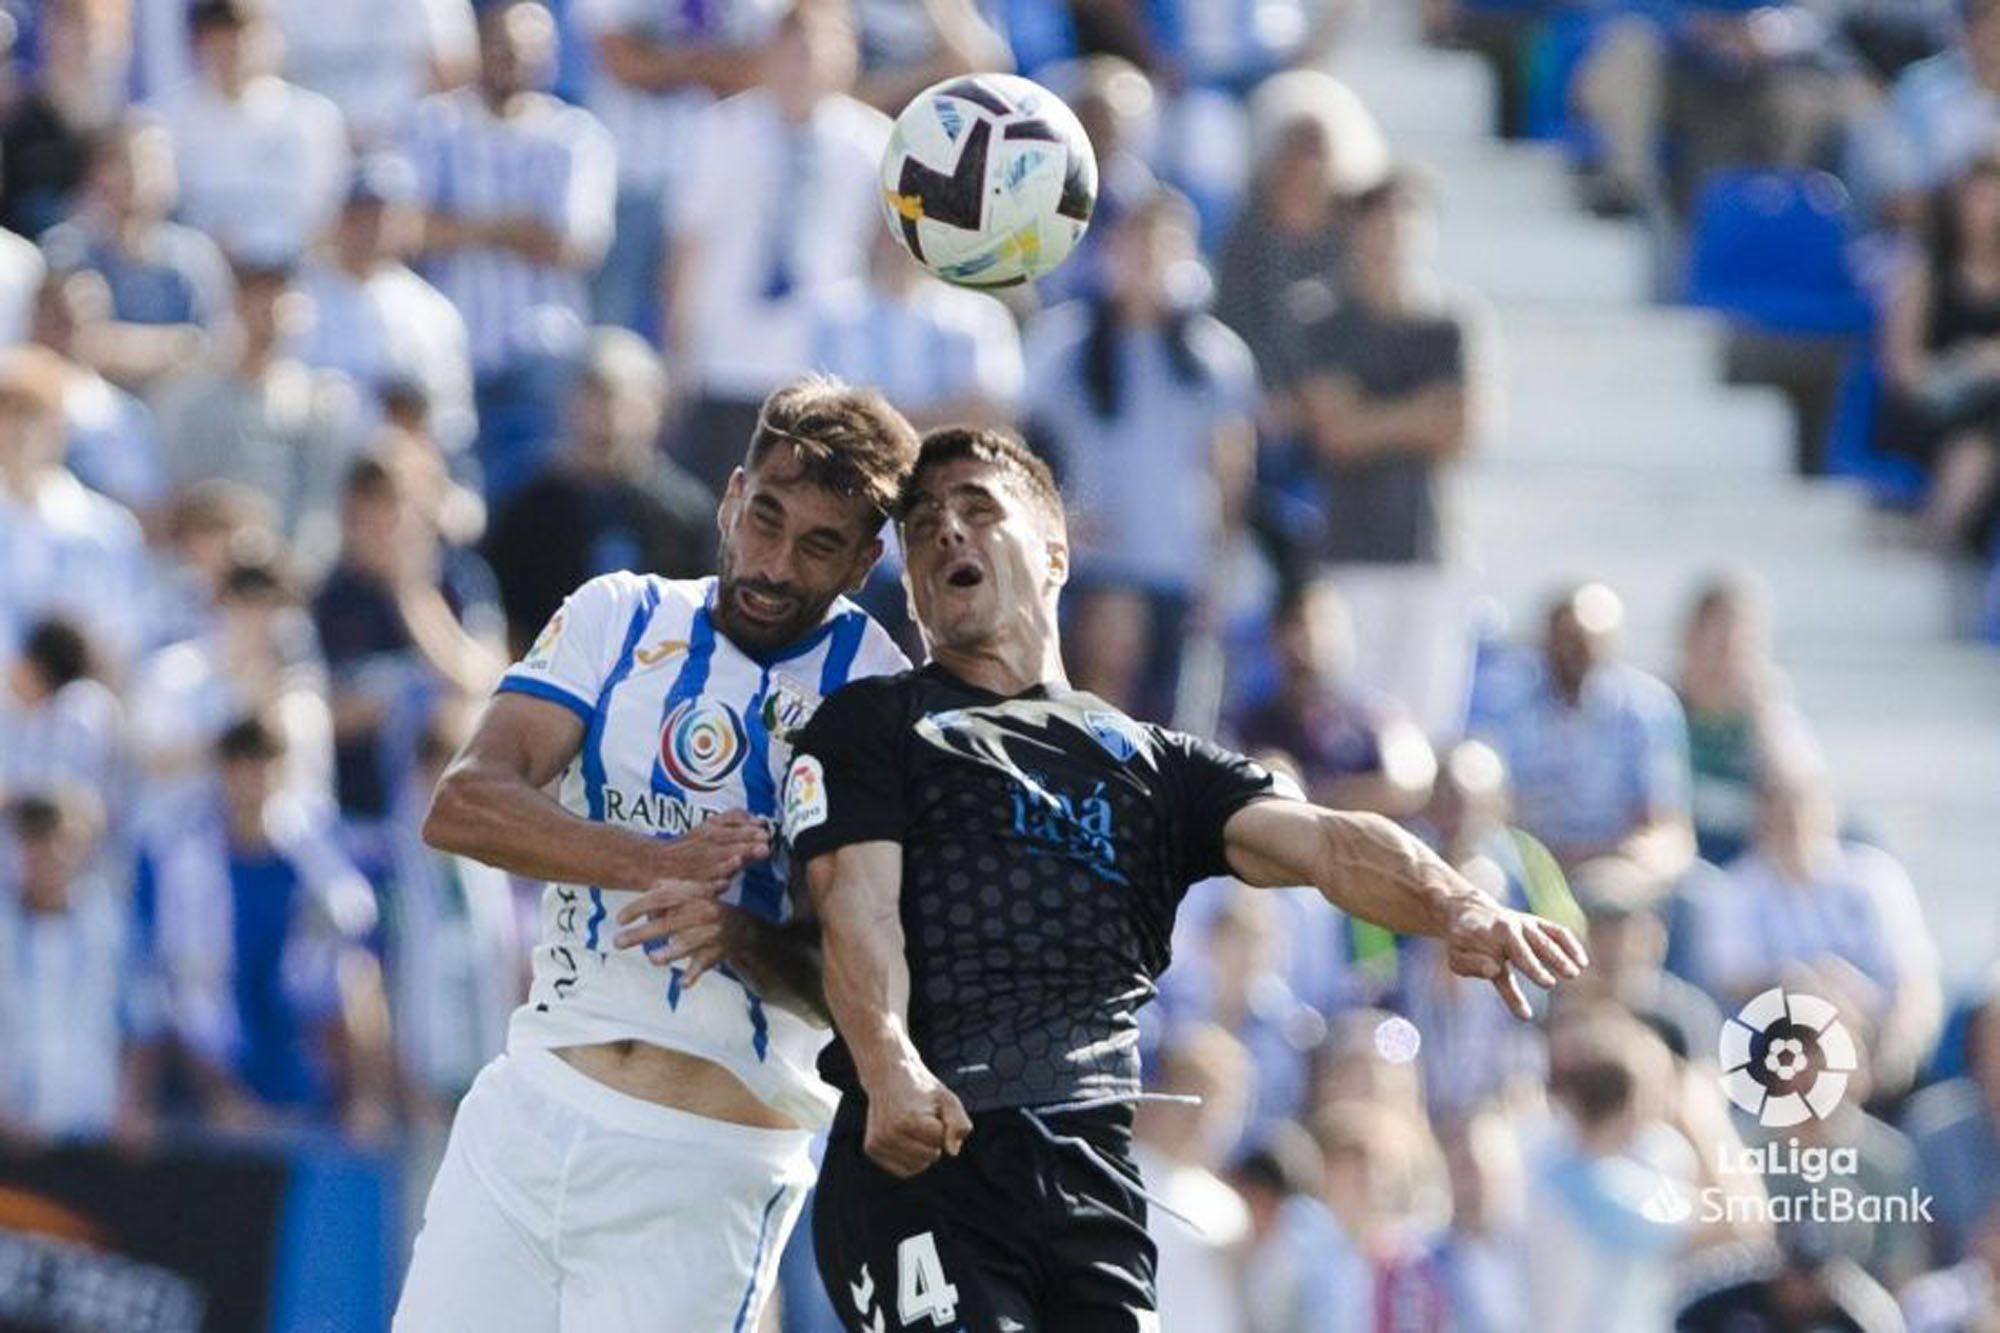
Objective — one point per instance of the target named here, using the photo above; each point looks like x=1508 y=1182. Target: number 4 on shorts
x=921 y=1289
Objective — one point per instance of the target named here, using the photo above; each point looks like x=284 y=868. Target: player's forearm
x=490 y=814
x=1374 y=870
x=867 y=977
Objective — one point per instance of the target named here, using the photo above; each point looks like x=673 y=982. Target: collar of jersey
x=1041 y=689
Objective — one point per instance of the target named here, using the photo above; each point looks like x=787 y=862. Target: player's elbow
x=453 y=814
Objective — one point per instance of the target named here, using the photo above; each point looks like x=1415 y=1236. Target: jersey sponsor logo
x=805 y=796
x=1114 y=733
x=543 y=651
x=1082 y=828
x=701 y=743
x=655 y=811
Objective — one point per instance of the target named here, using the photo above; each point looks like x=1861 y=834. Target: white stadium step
x=1418 y=94
x=1561 y=348
x=1558 y=260
x=1726 y=431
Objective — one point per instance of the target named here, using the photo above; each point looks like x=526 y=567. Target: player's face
x=789 y=547
x=979 y=558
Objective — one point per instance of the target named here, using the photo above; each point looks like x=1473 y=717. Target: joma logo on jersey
x=1081 y=828
x=701 y=743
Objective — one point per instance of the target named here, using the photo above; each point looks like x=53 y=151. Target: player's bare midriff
x=674 y=1079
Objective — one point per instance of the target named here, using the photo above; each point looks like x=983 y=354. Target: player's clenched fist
x=716 y=849
x=913 y=1120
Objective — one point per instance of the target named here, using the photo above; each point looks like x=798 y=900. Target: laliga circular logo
x=701 y=744
x=1786 y=1058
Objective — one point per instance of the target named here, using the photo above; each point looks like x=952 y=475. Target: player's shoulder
x=876 y=704
x=875 y=650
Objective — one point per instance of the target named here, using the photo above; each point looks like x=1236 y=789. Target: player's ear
x=866 y=566
x=1058 y=560
x=732 y=498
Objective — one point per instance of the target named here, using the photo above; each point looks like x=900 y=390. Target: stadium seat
x=1851 y=449
x=1769 y=250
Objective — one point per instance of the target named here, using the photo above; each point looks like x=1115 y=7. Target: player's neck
x=1006 y=666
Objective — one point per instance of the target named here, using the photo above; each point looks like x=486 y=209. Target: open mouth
x=762 y=606
x=965 y=574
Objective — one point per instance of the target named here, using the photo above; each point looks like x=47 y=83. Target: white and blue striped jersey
x=679 y=724
x=550 y=162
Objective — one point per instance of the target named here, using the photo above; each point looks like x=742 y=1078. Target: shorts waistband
x=552 y=1076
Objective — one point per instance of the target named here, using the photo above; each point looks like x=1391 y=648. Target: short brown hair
x=849 y=441
x=998 y=448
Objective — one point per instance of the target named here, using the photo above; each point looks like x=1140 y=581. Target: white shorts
x=563 y=1206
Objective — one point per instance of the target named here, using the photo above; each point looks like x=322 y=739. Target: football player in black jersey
x=996 y=860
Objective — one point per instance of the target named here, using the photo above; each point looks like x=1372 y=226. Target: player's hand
x=712 y=933
x=669 y=912
x=1491 y=942
x=913 y=1120
x=717 y=848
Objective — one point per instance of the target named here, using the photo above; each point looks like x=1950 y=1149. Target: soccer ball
x=988 y=180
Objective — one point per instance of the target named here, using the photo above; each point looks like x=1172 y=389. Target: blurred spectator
x=253 y=919
x=374 y=320
x=169 y=283
x=1597 y=748
x=261 y=162
x=59 y=725
x=1799 y=1284
x=1503 y=33
x=1198 y=1221
x=1741 y=722
x=1483 y=1254
x=1956 y=1128
x=659 y=63
x=942 y=355
x=204 y=529
x=1963 y=1298
x=454 y=957
x=1234 y=977
x=1386 y=1184
x=1803 y=897
x=1301 y=1274
x=21 y=273
x=1941 y=355
x=517 y=189
x=1730 y=82
x=907 y=46
x=113 y=446
x=1627 y=939
x=1281 y=263
x=1941 y=115
x=1355 y=750
x=1148 y=406
x=375 y=58
x=781 y=200
x=1114 y=103
x=78 y=92
x=403 y=620
x=62 y=1061
x=63 y=547
x=1392 y=397
x=1612 y=1191
x=256 y=654
x=609 y=501
x=260 y=416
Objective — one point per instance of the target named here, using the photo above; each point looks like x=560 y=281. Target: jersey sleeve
x=846 y=782
x=571 y=656
x=1211 y=784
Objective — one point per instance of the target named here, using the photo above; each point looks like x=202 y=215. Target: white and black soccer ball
x=989 y=180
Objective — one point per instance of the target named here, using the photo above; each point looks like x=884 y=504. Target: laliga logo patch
x=544 y=648
x=701 y=744
x=805 y=796
x=1786 y=1058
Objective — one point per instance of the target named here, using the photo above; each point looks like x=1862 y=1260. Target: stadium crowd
x=342 y=341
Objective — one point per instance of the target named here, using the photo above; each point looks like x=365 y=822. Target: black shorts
x=1014 y=1235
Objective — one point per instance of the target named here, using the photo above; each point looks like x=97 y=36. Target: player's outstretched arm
x=1370 y=868
x=491 y=805
x=913 y=1119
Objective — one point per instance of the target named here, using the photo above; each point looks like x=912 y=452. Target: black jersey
x=1047 y=842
